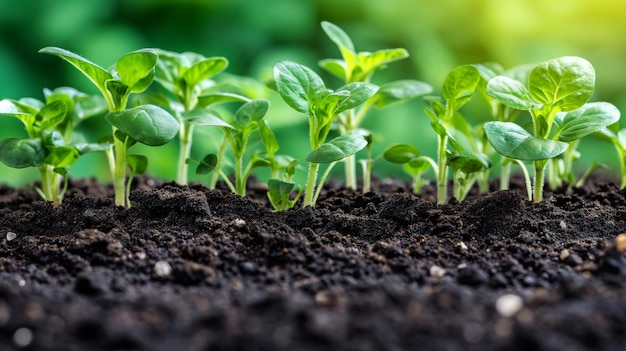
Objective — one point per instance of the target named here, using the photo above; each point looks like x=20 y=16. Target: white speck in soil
x=564 y=254
x=11 y=236
x=23 y=337
x=462 y=245
x=141 y=255
x=21 y=282
x=620 y=243
x=162 y=268
x=239 y=223
x=563 y=225
x=509 y=304
x=437 y=272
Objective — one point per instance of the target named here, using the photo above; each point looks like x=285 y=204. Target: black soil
x=188 y=268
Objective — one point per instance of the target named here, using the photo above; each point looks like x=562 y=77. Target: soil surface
x=188 y=268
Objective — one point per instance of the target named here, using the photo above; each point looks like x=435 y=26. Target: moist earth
x=189 y=268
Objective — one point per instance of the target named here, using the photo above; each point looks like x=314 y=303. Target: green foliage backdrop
x=254 y=34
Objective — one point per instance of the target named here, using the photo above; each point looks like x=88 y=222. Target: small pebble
x=23 y=337
x=162 y=268
x=239 y=223
x=564 y=254
x=509 y=304
x=462 y=245
x=620 y=243
x=437 y=272
x=11 y=236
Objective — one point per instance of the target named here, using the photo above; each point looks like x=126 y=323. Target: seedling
x=458 y=89
x=147 y=124
x=187 y=79
x=360 y=67
x=305 y=92
x=556 y=90
x=49 y=145
x=617 y=137
x=412 y=162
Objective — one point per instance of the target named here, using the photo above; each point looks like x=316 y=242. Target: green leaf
x=298 y=85
x=466 y=163
x=399 y=91
x=268 y=138
x=219 y=97
x=337 y=35
x=401 y=153
x=95 y=73
x=207 y=165
x=52 y=114
x=357 y=94
x=369 y=62
x=202 y=117
x=148 y=124
x=117 y=90
x=62 y=156
x=512 y=93
x=513 y=141
x=136 y=69
x=279 y=192
x=566 y=82
x=335 y=67
x=84 y=148
x=590 y=118
x=21 y=153
x=204 y=69
x=338 y=148
x=251 y=112
x=459 y=85
x=138 y=164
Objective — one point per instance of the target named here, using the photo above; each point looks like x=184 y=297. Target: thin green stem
x=119 y=179
x=318 y=190
x=185 y=133
x=529 y=187
x=539 y=179
x=309 y=191
x=505 y=175
x=442 y=174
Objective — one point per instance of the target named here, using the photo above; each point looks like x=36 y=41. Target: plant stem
x=505 y=176
x=539 y=179
x=49 y=184
x=240 y=181
x=309 y=192
x=185 y=134
x=442 y=174
x=119 y=179
x=318 y=190
x=350 y=164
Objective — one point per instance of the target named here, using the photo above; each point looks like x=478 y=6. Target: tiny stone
x=437 y=272
x=462 y=245
x=141 y=255
x=21 y=282
x=509 y=304
x=11 y=236
x=564 y=254
x=563 y=225
x=620 y=243
x=162 y=268
x=23 y=337
x=239 y=223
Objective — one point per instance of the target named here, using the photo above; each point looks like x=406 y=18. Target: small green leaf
x=298 y=85
x=400 y=90
x=588 y=119
x=268 y=138
x=204 y=69
x=138 y=164
x=335 y=67
x=117 y=90
x=62 y=156
x=202 y=117
x=369 y=62
x=148 y=124
x=251 y=112
x=459 y=85
x=466 y=163
x=513 y=141
x=566 y=82
x=219 y=97
x=21 y=153
x=95 y=73
x=337 y=35
x=401 y=153
x=84 y=148
x=207 y=165
x=338 y=148
x=512 y=93
x=52 y=114
x=279 y=192
x=136 y=69
x=357 y=94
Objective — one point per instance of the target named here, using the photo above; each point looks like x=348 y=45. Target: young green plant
x=412 y=163
x=617 y=137
x=360 y=67
x=556 y=90
x=146 y=124
x=305 y=92
x=50 y=145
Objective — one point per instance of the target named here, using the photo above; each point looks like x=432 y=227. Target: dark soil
x=188 y=268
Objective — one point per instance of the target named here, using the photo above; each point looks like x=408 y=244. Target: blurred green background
x=254 y=34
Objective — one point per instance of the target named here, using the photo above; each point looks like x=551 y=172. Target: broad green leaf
x=369 y=62
x=216 y=98
x=460 y=84
x=512 y=93
x=202 y=117
x=335 y=67
x=590 y=118
x=136 y=69
x=298 y=85
x=148 y=124
x=11 y=108
x=138 y=164
x=566 y=82
x=251 y=112
x=268 y=138
x=338 y=36
x=513 y=141
x=51 y=114
x=358 y=93
x=401 y=153
x=62 y=156
x=400 y=90
x=84 y=148
x=21 y=153
x=416 y=166
x=204 y=69
x=95 y=73
x=460 y=162
x=207 y=165
x=338 y=148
